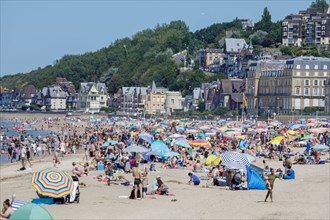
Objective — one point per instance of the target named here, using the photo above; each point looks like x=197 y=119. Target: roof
x=86 y=87
x=321 y=63
x=233 y=45
x=29 y=91
x=56 y=92
x=134 y=90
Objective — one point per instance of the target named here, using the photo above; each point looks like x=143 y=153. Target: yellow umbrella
x=277 y=140
x=212 y=160
x=291 y=132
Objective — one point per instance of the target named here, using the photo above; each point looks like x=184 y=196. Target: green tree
x=322 y=5
x=265 y=24
x=201 y=106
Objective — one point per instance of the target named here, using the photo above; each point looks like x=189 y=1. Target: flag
x=244 y=103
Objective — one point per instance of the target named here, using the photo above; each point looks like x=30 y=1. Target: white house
x=92 y=96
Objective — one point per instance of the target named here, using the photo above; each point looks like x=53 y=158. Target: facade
x=232 y=49
x=307 y=27
x=92 y=96
x=247 y=23
x=210 y=57
x=155 y=103
x=287 y=86
x=173 y=102
x=133 y=99
x=55 y=97
x=327 y=95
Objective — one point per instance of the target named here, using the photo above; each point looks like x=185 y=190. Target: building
x=26 y=95
x=173 y=102
x=55 y=97
x=133 y=99
x=310 y=26
x=69 y=88
x=247 y=23
x=232 y=49
x=327 y=95
x=231 y=93
x=210 y=58
x=286 y=86
x=92 y=96
x=156 y=97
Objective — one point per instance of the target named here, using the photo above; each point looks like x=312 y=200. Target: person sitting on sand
x=193 y=179
x=76 y=170
x=7 y=210
x=300 y=160
x=198 y=167
x=86 y=168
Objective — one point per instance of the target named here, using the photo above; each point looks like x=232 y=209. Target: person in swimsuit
x=137 y=180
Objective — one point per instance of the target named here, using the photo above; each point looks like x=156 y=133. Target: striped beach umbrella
x=52 y=183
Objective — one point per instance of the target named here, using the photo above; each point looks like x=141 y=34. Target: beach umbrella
x=109 y=142
x=291 y=132
x=146 y=136
x=230 y=156
x=52 y=183
x=212 y=160
x=159 y=146
x=31 y=211
x=321 y=147
x=250 y=157
x=277 y=140
x=175 y=136
x=200 y=143
x=136 y=149
x=182 y=143
x=234 y=165
x=170 y=154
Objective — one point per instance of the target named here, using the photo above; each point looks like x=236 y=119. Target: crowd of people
x=103 y=143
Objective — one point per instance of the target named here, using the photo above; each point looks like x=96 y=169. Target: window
x=316 y=91
x=323 y=91
x=158 y=99
x=316 y=82
x=307 y=67
x=298 y=73
x=297 y=90
x=307 y=73
x=316 y=73
x=172 y=101
x=298 y=66
x=325 y=67
x=316 y=67
x=306 y=91
x=306 y=82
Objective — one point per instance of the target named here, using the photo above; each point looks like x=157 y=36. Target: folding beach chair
x=15 y=204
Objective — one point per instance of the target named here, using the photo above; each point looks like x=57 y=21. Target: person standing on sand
x=56 y=160
x=23 y=157
x=271 y=179
x=137 y=180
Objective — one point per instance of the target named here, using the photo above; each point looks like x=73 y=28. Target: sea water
x=7 y=129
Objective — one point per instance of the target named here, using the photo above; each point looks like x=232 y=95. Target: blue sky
x=36 y=33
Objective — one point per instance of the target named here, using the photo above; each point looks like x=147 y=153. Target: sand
x=306 y=197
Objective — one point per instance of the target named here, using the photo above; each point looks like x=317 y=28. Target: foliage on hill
x=147 y=56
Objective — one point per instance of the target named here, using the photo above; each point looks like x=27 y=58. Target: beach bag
x=132 y=196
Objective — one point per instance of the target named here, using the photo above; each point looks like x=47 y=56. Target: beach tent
x=212 y=160
x=31 y=211
x=257 y=169
x=254 y=180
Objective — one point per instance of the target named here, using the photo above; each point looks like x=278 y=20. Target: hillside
x=129 y=61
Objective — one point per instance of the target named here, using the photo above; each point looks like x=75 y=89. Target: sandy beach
x=306 y=197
